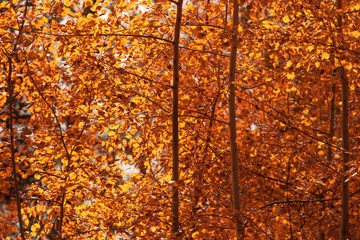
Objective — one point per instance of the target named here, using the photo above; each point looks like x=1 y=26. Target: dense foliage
x=87 y=119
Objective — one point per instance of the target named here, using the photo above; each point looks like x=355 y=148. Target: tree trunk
x=345 y=142
x=12 y=148
x=345 y=137
x=331 y=123
x=232 y=121
x=175 y=123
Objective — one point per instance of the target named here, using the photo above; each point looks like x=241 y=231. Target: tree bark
x=175 y=122
x=344 y=228
x=331 y=123
x=12 y=148
x=232 y=121
x=345 y=165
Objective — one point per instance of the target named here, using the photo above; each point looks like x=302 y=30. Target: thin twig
x=106 y=35
x=299 y=201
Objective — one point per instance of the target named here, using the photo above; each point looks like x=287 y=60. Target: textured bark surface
x=345 y=136
x=12 y=148
x=232 y=121
x=175 y=122
x=345 y=144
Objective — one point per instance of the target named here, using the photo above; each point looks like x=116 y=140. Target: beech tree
x=232 y=122
x=115 y=119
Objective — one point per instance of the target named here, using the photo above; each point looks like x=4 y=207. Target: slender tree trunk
x=12 y=148
x=175 y=123
x=345 y=138
x=232 y=121
x=331 y=123
x=12 y=145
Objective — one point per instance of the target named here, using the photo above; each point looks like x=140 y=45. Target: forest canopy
x=179 y=119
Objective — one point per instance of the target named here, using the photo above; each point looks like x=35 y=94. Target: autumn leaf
x=290 y=75
x=355 y=34
x=325 y=55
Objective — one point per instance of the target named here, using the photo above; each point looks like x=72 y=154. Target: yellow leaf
x=44 y=19
x=286 y=19
x=35 y=227
x=67 y=3
x=195 y=234
x=72 y=176
x=317 y=64
x=186 y=97
x=293 y=89
x=37 y=176
x=290 y=75
x=167 y=178
x=125 y=187
x=253 y=154
x=136 y=99
x=310 y=48
x=325 y=55
x=355 y=34
x=122 y=4
x=337 y=62
x=111 y=133
x=349 y=66
x=266 y=24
